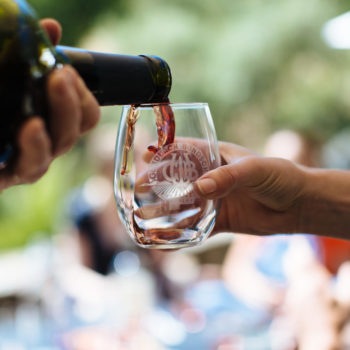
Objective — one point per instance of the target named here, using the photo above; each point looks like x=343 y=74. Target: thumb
x=245 y=171
x=274 y=182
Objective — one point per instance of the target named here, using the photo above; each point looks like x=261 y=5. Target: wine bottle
x=27 y=57
x=120 y=79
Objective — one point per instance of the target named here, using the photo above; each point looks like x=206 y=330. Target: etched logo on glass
x=174 y=168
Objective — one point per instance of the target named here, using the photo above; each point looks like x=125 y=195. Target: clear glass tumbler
x=153 y=185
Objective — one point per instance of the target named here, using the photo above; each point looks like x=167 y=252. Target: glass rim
x=175 y=105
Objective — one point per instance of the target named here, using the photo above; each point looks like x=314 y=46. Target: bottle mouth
x=174 y=105
x=161 y=76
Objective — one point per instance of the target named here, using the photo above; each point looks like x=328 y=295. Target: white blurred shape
x=284 y=144
x=28 y=322
x=336 y=32
x=47 y=58
x=342 y=285
x=126 y=263
x=194 y=320
x=97 y=191
x=281 y=333
x=163 y=326
x=24 y=271
x=181 y=268
x=12 y=346
x=298 y=257
x=336 y=152
x=88 y=289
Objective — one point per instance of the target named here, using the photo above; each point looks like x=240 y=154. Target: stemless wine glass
x=158 y=158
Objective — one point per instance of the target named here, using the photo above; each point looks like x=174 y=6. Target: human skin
x=263 y=195
x=73 y=111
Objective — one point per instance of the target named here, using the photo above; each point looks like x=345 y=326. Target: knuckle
x=34 y=175
x=227 y=175
x=61 y=80
x=71 y=70
x=57 y=83
x=91 y=120
x=229 y=172
x=65 y=143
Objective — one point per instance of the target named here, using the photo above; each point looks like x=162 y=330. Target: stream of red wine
x=165 y=126
x=165 y=123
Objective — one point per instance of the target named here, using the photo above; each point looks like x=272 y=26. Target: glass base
x=188 y=238
x=171 y=245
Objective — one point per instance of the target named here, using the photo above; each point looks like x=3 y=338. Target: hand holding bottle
x=262 y=195
x=73 y=111
x=66 y=99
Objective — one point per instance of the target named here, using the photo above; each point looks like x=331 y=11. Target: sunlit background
x=276 y=75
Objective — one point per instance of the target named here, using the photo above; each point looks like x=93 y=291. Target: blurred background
x=276 y=76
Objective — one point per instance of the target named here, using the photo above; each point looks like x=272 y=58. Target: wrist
x=325 y=200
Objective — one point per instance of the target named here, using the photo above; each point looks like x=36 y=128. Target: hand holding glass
x=154 y=185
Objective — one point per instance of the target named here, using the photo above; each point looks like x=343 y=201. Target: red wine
x=178 y=225
x=165 y=126
x=129 y=139
x=155 y=236
x=165 y=123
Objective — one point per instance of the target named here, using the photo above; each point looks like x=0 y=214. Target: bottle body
x=27 y=57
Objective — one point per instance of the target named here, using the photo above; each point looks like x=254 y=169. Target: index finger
x=53 y=29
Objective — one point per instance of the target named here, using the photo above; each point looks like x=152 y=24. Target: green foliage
x=260 y=65
x=29 y=210
x=75 y=15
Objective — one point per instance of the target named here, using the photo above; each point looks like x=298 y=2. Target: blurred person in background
x=291 y=276
x=74 y=110
x=268 y=195
x=314 y=309
x=148 y=283
x=93 y=211
x=92 y=208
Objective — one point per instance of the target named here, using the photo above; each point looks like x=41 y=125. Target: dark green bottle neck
x=120 y=79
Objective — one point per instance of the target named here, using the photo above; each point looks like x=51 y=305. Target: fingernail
x=206 y=186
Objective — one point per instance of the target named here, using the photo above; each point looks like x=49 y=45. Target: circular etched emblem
x=174 y=168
